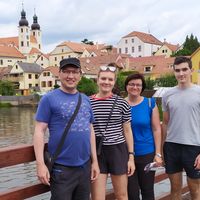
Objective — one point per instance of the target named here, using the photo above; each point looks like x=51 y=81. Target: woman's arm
x=129 y=140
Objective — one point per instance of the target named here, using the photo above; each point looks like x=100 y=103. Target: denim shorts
x=180 y=156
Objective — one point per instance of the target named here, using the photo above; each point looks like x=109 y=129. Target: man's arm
x=129 y=140
x=95 y=166
x=38 y=143
x=164 y=126
x=155 y=121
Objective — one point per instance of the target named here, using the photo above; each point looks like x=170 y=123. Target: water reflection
x=16 y=125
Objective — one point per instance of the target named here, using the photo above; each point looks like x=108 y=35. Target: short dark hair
x=134 y=77
x=182 y=59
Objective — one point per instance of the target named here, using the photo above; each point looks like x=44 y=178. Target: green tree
x=167 y=80
x=6 y=88
x=87 y=86
x=190 y=45
x=121 y=77
x=86 y=41
x=150 y=83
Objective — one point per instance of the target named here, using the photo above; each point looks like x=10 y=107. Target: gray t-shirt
x=183 y=106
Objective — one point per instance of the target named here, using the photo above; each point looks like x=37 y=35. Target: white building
x=138 y=44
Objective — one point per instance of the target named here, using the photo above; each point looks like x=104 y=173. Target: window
x=1 y=62
x=55 y=58
x=38 y=33
x=21 y=30
x=27 y=44
x=27 y=37
x=39 y=46
x=132 y=40
x=41 y=58
x=126 y=50
x=33 y=33
x=48 y=73
x=147 y=69
x=16 y=67
x=133 y=49
x=43 y=84
x=29 y=76
x=126 y=41
x=36 y=85
x=9 y=60
x=120 y=50
x=36 y=76
x=44 y=74
x=62 y=50
x=139 y=48
x=62 y=57
x=163 y=51
x=49 y=83
x=22 y=43
x=30 y=85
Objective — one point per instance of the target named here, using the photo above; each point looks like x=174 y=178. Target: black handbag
x=50 y=159
x=100 y=139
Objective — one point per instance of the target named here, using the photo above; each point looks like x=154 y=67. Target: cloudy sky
x=103 y=21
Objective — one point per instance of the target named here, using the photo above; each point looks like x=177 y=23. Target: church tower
x=24 y=34
x=36 y=32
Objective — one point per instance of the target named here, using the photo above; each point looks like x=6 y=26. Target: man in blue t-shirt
x=77 y=163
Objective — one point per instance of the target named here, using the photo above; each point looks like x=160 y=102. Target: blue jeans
x=70 y=183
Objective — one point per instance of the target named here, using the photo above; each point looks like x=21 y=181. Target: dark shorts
x=179 y=156
x=70 y=183
x=113 y=159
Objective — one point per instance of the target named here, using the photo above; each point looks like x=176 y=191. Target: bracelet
x=131 y=153
x=159 y=155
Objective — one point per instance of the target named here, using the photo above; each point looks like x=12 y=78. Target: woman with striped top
x=116 y=155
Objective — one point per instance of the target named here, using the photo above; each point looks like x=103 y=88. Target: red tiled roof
x=172 y=47
x=34 y=50
x=7 y=51
x=90 y=65
x=4 y=70
x=53 y=70
x=145 y=37
x=160 y=64
x=9 y=41
x=80 y=47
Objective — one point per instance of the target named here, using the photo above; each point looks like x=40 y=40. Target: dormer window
x=148 y=69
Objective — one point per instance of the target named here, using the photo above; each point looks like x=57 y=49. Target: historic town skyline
x=102 y=21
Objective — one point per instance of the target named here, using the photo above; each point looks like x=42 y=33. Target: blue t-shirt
x=141 y=126
x=56 y=108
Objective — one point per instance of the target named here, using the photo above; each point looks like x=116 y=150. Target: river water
x=17 y=127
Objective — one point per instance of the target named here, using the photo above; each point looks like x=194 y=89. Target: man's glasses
x=135 y=85
x=68 y=72
x=185 y=69
x=108 y=68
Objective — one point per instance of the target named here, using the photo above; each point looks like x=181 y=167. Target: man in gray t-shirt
x=181 y=130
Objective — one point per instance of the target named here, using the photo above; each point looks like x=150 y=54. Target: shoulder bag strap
x=62 y=140
x=111 y=111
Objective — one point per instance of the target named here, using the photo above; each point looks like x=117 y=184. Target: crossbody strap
x=111 y=111
x=62 y=140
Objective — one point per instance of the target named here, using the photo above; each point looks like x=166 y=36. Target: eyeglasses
x=185 y=69
x=68 y=72
x=135 y=85
x=108 y=68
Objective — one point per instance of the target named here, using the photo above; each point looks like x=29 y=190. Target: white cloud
x=104 y=21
